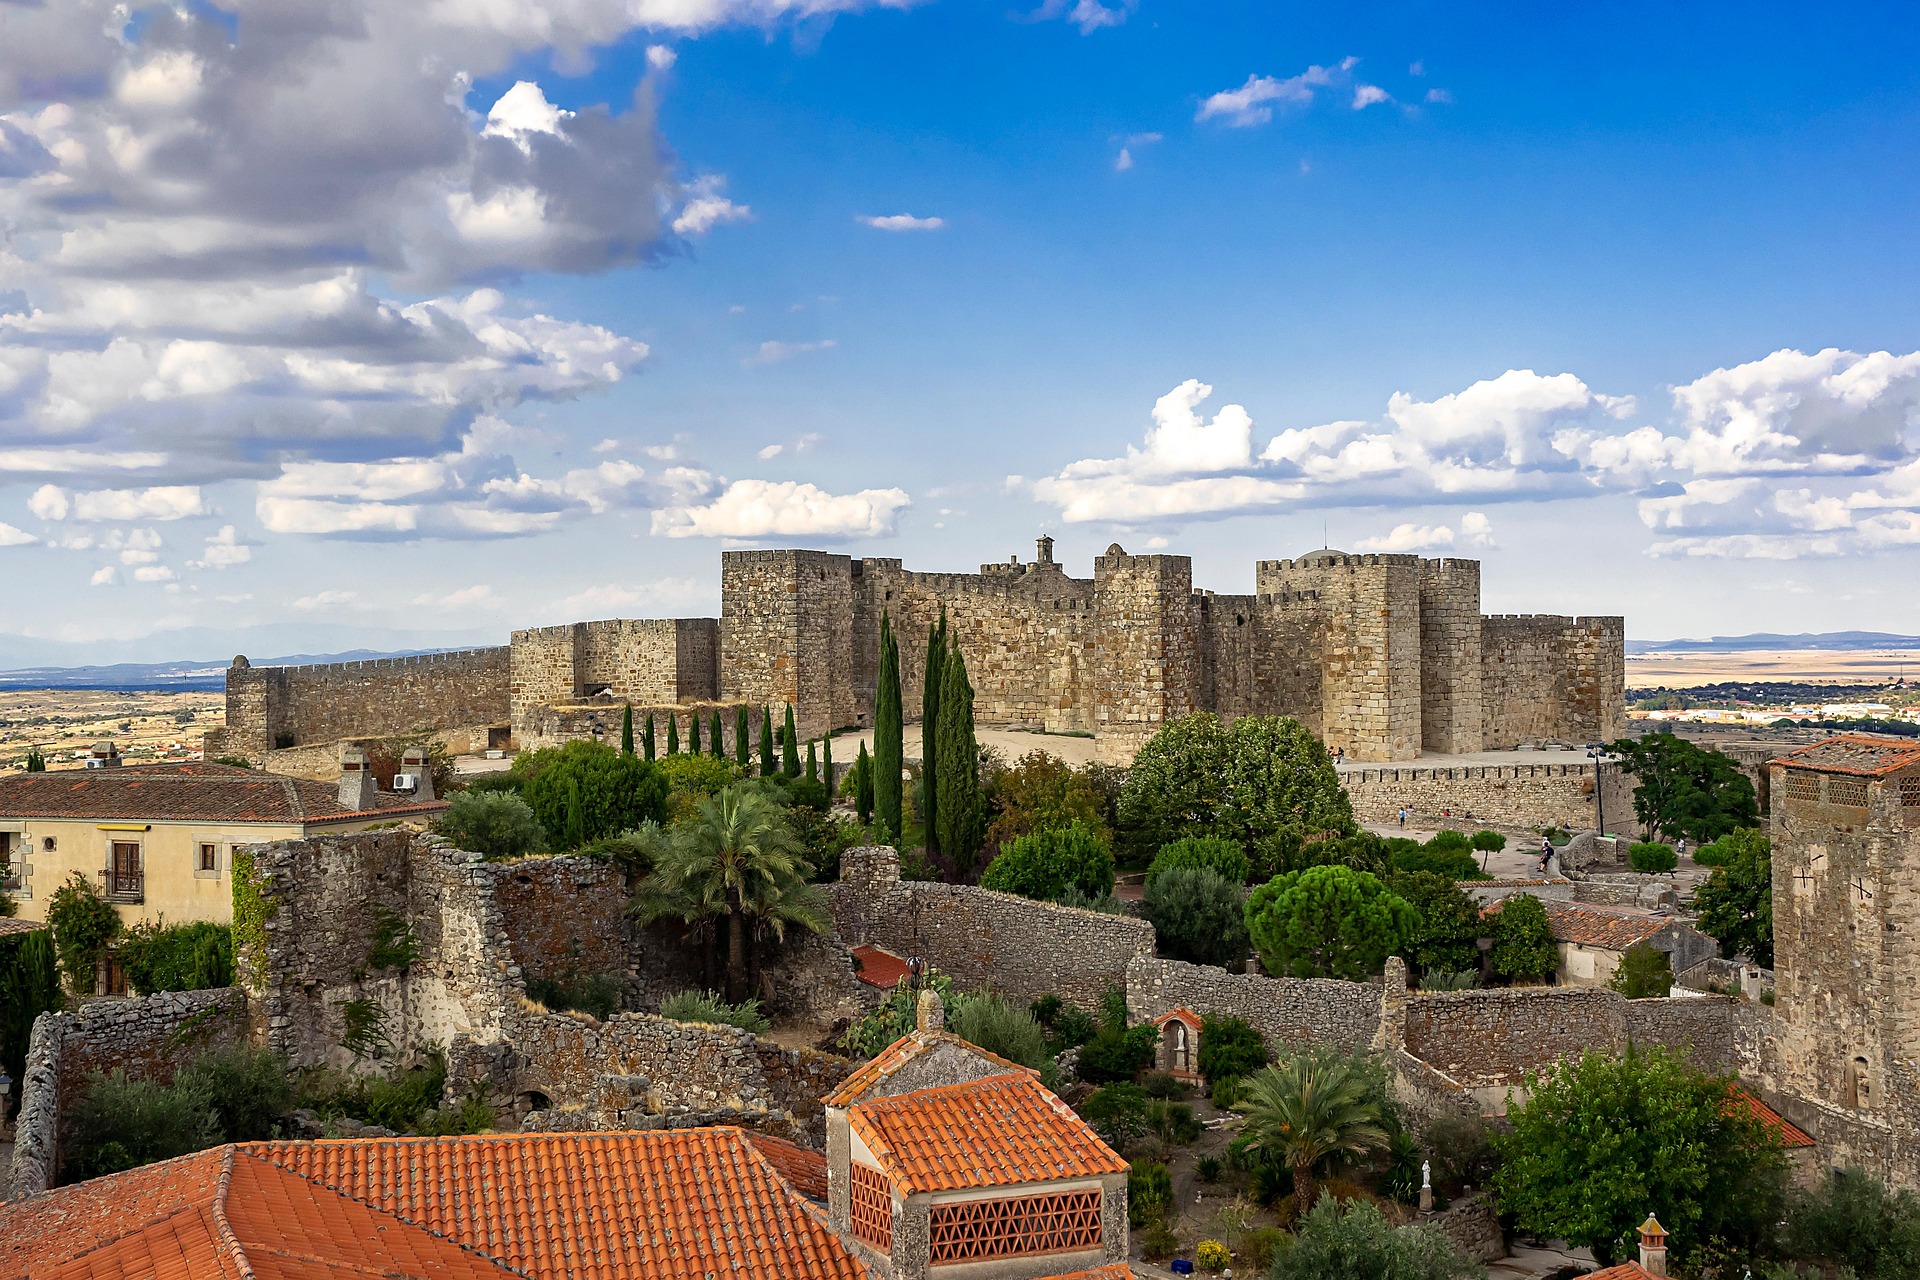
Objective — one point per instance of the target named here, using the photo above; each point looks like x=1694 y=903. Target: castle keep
x=1384 y=656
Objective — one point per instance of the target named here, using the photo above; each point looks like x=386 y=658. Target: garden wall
x=1287 y=1011
x=148 y=1039
x=981 y=939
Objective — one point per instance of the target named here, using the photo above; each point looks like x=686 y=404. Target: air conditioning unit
x=405 y=782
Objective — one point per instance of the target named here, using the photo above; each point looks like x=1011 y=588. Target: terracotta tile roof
x=997 y=1132
x=1625 y=1271
x=221 y=1213
x=13 y=924
x=1856 y=753
x=1593 y=928
x=899 y=1054
x=1112 y=1271
x=878 y=968
x=660 y=1205
x=1514 y=884
x=1791 y=1135
x=805 y=1169
x=1182 y=1014
x=188 y=793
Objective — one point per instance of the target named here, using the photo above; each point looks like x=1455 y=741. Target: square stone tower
x=786 y=635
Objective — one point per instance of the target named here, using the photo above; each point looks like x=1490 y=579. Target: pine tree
x=742 y=737
x=887 y=754
x=766 y=742
x=959 y=752
x=863 y=785
x=649 y=736
x=826 y=763
x=789 y=747
x=719 y=740
x=693 y=734
x=932 y=690
x=626 y=731
x=673 y=735
x=813 y=763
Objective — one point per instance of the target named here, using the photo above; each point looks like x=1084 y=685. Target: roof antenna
x=1326 y=544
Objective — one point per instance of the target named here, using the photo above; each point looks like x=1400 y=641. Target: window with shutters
x=1065 y=1222
x=870 y=1207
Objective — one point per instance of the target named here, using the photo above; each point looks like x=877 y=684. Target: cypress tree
x=789 y=747
x=36 y=762
x=932 y=690
x=626 y=731
x=863 y=785
x=813 y=763
x=673 y=735
x=648 y=740
x=826 y=763
x=959 y=752
x=887 y=754
x=576 y=816
x=766 y=742
x=693 y=734
x=719 y=740
x=742 y=737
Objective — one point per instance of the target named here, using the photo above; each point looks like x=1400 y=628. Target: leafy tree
x=1117 y=1052
x=649 y=738
x=1643 y=972
x=888 y=748
x=789 y=747
x=182 y=957
x=247 y=1089
x=1523 y=945
x=1736 y=902
x=1290 y=849
x=1006 y=1029
x=1223 y=857
x=739 y=859
x=1446 y=937
x=1230 y=1048
x=1650 y=858
x=767 y=765
x=84 y=927
x=1356 y=1241
x=1046 y=864
x=673 y=734
x=1041 y=792
x=863 y=786
x=1262 y=775
x=957 y=813
x=1307 y=1107
x=1198 y=916
x=1686 y=790
x=933 y=697
x=1489 y=841
x=826 y=761
x=693 y=734
x=742 y=737
x=586 y=790
x=1601 y=1141
x=1851 y=1220
x=1328 y=922
x=29 y=987
x=691 y=778
x=495 y=824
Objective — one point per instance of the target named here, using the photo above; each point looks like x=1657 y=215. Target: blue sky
x=446 y=319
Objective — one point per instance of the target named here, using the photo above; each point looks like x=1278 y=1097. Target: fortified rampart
x=1507 y=795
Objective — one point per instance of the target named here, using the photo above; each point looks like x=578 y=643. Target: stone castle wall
x=1509 y=795
x=648 y=662
x=271 y=708
x=1546 y=678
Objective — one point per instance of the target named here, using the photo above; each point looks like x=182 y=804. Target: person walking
x=1403 y=819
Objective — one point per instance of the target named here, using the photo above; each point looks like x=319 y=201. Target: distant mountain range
x=1773 y=640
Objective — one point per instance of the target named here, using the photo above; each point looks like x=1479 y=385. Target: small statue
x=1426 y=1186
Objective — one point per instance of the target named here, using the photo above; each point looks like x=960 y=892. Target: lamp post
x=1597 y=752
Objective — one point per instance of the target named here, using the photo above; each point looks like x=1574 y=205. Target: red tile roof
x=878 y=968
x=805 y=1169
x=1590 y=927
x=13 y=924
x=1791 y=1135
x=1112 y=1271
x=1182 y=1014
x=221 y=1213
x=1625 y=1271
x=1855 y=753
x=1000 y=1131
x=660 y=1205
x=899 y=1054
x=189 y=793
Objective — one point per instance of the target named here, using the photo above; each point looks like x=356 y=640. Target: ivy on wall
x=252 y=908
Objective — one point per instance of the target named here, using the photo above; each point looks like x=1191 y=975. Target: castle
x=1383 y=656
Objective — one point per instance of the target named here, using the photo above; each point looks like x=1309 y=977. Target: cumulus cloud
x=104 y=576
x=224 y=550
x=706 y=208
x=786 y=508
x=1253 y=103
x=901 y=222
x=1124 y=161
x=165 y=502
x=1408 y=537
x=774 y=352
x=12 y=537
x=1088 y=15
x=1368 y=95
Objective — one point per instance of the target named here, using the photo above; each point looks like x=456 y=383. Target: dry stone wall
x=270 y=708
x=1290 y=1012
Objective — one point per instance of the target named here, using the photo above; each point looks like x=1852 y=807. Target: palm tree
x=1308 y=1107
x=735 y=857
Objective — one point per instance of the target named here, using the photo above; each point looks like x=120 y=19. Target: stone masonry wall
x=982 y=939
x=563 y=917
x=1547 y=678
x=1290 y=1012
x=1149 y=667
x=649 y=662
x=1519 y=795
x=1450 y=697
x=274 y=707
x=555 y=726
x=787 y=635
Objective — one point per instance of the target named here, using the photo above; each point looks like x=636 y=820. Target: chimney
x=357 y=787
x=929 y=1013
x=414 y=778
x=103 y=755
x=1653 y=1247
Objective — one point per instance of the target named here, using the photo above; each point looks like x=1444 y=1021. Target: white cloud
x=1088 y=15
x=1439 y=97
x=154 y=573
x=660 y=57
x=609 y=445
x=12 y=537
x=1367 y=95
x=105 y=576
x=775 y=352
x=1476 y=529
x=478 y=596
x=165 y=502
x=706 y=208
x=804 y=443
x=665 y=594
x=1253 y=102
x=321 y=601
x=1408 y=537
x=761 y=509
x=224 y=550
x=1124 y=161
x=901 y=222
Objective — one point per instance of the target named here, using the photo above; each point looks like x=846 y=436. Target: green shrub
x=1224 y=857
x=1149 y=1192
x=472 y=1114
x=1073 y=1028
x=1172 y=1122
x=1851 y=1220
x=397 y=1101
x=1256 y=1247
x=29 y=986
x=1046 y=1009
x=1005 y=1029
x=1230 y=1047
x=122 y=1124
x=596 y=994
x=1447 y=934
x=492 y=823
x=896 y=1015
x=1045 y=864
x=1651 y=858
x=1336 y=1241
x=1643 y=973
x=1442 y=841
x=1449 y=980
x=247 y=1089
x=1712 y=855
x=1489 y=841
x=1523 y=946
x=586 y=790
x=708 y=1007
x=1157 y=1242
x=1208 y=1168
x=1454 y=862
x=1226 y=1091
x=181 y=957
x=1117 y=1112
x=83 y=925
x=1162 y=1084
x=1117 y=1053
x=1198 y=916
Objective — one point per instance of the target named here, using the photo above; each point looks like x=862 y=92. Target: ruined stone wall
x=1548 y=678
x=148 y=1039
x=277 y=707
x=1288 y=1012
x=1450 y=697
x=1518 y=795
x=1148 y=670
x=563 y=917
x=982 y=939
x=787 y=634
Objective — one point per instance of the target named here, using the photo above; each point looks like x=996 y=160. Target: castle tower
x=787 y=635
x=1450 y=705
x=1148 y=669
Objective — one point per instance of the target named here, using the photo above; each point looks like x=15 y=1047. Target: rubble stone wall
x=271 y=708
x=1288 y=1012
x=1509 y=795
